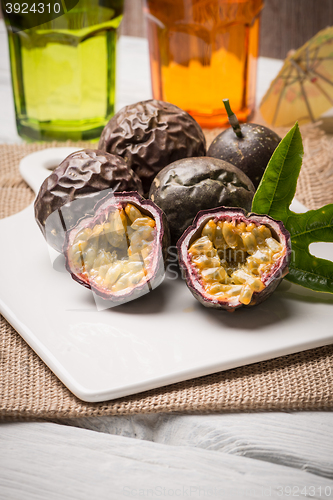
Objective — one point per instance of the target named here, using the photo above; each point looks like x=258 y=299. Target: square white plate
x=164 y=337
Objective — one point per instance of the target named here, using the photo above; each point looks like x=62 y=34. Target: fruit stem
x=232 y=119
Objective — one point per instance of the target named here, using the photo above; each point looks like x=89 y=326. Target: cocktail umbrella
x=303 y=89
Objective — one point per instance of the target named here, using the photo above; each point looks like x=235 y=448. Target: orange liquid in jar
x=203 y=51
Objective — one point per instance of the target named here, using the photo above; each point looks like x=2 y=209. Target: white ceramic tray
x=164 y=337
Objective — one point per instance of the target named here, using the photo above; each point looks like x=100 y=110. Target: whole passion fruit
x=233 y=260
x=192 y=184
x=151 y=134
x=82 y=176
x=249 y=147
x=119 y=252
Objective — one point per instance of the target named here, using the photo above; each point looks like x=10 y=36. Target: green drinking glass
x=63 y=69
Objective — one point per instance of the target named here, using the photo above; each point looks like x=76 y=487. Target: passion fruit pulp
x=119 y=252
x=233 y=260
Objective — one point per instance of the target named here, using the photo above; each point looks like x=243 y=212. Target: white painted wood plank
x=40 y=461
x=302 y=440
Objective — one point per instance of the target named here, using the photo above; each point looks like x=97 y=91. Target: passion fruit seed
x=232 y=257
x=115 y=255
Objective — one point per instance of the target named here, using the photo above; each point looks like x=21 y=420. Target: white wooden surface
x=299 y=440
x=232 y=456
x=50 y=461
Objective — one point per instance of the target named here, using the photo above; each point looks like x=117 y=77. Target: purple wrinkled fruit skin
x=102 y=208
x=250 y=153
x=191 y=184
x=271 y=281
x=150 y=135
x=84 y=175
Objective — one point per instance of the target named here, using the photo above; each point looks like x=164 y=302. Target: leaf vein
x=279 y=173
x=297 y=235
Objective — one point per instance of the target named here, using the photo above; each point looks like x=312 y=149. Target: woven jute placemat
x=302 y=381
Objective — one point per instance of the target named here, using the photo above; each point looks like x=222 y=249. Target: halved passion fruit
x=119 y=252
x=84 y=176
x=232 y=259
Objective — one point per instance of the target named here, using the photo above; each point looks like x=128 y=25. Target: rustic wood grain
x=288 y=24
x=299 y=440
x=41 y=461
x=133 y=23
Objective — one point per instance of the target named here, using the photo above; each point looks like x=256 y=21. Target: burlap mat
x=303 y=381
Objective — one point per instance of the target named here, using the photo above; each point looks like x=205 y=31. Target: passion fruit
x=192 y=184
x=249 y=146
x=119 y=252
x=82 y=176
x=151 y=134
x=231 y=259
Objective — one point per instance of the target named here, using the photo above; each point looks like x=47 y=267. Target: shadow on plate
x=273 y=311
x=151 y=303
x=278 y=308
x=302 y=294
x=59 y=264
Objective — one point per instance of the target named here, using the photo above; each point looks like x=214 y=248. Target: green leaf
x=278 y=184
x=273 y=197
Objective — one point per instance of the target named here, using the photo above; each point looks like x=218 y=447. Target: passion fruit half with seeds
x=119 y=252
x=192 y=184
x=232 y=259
x=151 y=134
x=84 y=176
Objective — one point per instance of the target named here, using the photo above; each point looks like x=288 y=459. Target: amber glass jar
x=203 y=51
